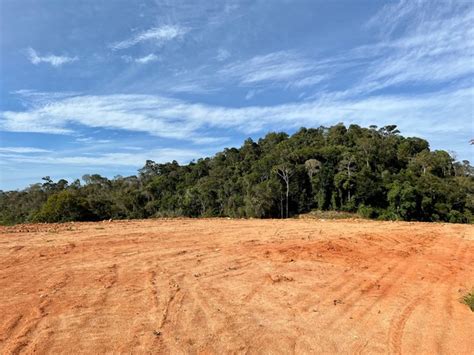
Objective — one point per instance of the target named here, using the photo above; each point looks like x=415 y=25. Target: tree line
x=373 y=171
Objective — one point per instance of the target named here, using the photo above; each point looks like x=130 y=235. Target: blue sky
x=93 y=86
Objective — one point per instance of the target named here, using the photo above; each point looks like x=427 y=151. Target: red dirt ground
x=236 y=286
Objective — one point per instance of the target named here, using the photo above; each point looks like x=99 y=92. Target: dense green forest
x=373 y=171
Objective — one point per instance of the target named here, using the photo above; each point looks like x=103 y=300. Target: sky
x=100 y=86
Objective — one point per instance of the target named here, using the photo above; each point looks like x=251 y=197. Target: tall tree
x=285 y=172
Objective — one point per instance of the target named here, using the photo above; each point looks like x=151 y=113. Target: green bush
x=63 y=207
x=388 y=216
x=329 y=215
x=457 y=217
x=366 y=211
x=469 y=300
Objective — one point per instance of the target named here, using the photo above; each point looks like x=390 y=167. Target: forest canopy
x=373 y=171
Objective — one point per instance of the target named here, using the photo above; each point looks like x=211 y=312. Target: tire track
x=222 y=317
x=397 y=325
x=208 y=286
x=461 y=254
x=396 y=272
x=107 y=280
x=26 y=334
x=405 y=265
x=363 y=315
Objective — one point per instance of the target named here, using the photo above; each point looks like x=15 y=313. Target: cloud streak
x=157 y=35
x=418 y=43
x=109 y=159
x=423 y=43
x=54 y=60
x=22 y=150
x=147 y=59
x=282 y=66
x=178 y=119
x=222 y=54
x=141 y=60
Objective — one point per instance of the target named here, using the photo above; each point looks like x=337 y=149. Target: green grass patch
x=469 y=300
x=318 y=214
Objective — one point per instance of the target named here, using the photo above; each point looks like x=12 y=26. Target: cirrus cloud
x=158 y=35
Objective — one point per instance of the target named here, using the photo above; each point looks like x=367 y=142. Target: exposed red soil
x=236 y=286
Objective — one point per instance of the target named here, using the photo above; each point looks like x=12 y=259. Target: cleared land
x=238 y=286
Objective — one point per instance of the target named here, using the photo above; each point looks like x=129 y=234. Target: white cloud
x=41 y=98
x=158 y=35
x=285 y=69
x=434 y=113
x=147 y=59
x=54 y=60
x=222 y=55
x=209 y=140
x=189 y=87
x=111 y=159
x=250 y=94
x=308 y=81
x=277 y=66
x=422 y=48
x=132 y=148
x=421 y=43
x=84 y=139
x=424 y=42
x=22 y=150
x=141 y=60
x=32 y=121
x=92 y=140
x=390 y=16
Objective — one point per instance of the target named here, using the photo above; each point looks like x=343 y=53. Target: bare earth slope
x=236 y=286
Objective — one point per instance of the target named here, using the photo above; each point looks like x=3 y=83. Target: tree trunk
x=285 y=174
x=281 y=205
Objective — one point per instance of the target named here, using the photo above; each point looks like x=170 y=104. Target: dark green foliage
x=373 y=171
x=64 y=206
x=469 y=300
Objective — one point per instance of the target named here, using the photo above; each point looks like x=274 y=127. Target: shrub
x=329 y=215
x=388 y=216
x=63 y=207
x=457 y=217
x=469 y=300
x=366 y=211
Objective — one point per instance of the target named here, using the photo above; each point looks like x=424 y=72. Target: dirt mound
x=238 y=286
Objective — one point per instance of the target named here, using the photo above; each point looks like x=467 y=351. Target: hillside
x=373 y=171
